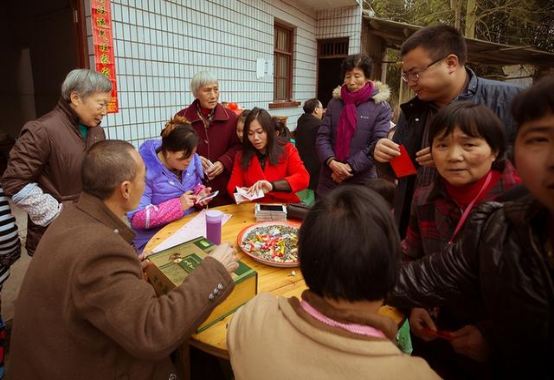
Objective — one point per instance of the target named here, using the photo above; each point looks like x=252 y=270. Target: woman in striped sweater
x=10 y=250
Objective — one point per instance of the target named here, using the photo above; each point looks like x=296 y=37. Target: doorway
x=330 y=54
x=46 y=40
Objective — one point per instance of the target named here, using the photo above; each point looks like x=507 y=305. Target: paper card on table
x=403 y=165
x=243 y=196
x=250 y=196
x=192 y=230
x=239 y=198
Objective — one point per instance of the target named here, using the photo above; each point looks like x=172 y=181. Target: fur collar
x=381 y=92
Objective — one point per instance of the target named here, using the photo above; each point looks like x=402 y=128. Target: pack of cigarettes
x=270 y=212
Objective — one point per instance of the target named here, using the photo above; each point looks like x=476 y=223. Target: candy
x=276 y=243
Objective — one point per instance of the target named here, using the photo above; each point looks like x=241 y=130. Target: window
x=335 y=48
x=283 y=63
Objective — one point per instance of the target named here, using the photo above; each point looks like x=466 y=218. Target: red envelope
x=403 y=165
x=438 y=334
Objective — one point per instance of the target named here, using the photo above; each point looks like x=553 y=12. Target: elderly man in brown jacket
x=84 y=310
x=44 y=166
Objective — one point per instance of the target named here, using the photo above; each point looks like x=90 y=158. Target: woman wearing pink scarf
x=355 y=119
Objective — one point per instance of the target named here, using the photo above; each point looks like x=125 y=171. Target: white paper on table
x=193 y=229
x=242 y=195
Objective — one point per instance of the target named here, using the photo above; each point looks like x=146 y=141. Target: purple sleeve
x=360 y=161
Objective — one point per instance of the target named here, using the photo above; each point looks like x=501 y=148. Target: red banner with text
x=102 y=39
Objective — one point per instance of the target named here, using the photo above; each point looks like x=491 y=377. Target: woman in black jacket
x=504 y=259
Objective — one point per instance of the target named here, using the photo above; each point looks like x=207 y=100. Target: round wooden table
x=287 y=282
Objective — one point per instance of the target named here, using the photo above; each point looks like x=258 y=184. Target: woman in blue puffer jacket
x=174 y=178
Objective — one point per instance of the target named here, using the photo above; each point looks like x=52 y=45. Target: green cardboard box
x=173 y=265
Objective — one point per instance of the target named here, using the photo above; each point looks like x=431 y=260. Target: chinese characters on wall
x=103 y=45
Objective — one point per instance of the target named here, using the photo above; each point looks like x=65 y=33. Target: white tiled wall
x=341 y=22
x=161 y=44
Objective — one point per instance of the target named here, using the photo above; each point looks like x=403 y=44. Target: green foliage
x=512 y=22
x=418 y=12
x=393 y=77
x=517 y=22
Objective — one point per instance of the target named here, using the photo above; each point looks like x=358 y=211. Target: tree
x=456 y=6
x=512 y=22
x=471 y=18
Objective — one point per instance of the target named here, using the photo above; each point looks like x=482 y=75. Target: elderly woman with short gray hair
x=44 y=169
x=215 y=126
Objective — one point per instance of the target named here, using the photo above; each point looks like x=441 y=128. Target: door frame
x=80 y=27
x=330 y=48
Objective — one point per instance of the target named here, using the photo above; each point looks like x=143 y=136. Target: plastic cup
x=214 y=220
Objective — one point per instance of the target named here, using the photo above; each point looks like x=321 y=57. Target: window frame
x=282 y=53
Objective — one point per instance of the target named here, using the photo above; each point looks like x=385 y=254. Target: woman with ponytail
x=174 y=178
x=355 y=119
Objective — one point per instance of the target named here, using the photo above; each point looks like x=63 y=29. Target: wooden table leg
x=185 y=361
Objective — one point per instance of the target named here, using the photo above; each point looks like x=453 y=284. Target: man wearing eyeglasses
x=434 y=68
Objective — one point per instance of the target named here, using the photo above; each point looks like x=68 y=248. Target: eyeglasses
x=414 y=76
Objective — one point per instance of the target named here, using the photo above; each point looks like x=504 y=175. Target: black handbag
x=297 y=210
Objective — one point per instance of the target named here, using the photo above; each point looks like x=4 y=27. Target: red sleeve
x=237 y=176
x=297 y=175
x=228 y=157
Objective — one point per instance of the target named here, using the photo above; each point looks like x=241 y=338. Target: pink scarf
x=352 y=327
x=348 y=118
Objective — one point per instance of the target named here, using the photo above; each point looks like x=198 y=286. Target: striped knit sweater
x=10 y=247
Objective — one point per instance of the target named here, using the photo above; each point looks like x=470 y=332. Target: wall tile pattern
x=161 y=44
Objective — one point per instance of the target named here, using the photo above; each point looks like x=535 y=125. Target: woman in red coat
x=267 y=163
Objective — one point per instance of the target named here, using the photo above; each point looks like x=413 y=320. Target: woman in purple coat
x=174 y=178
x=355 y=119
